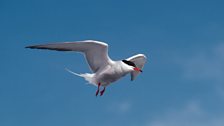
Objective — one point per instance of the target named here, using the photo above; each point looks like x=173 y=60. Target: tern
x=104 y=70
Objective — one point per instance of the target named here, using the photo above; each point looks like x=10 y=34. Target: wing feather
x=96 y=52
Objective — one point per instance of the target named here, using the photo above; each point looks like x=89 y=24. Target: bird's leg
x=98 y=89
x=102 y=92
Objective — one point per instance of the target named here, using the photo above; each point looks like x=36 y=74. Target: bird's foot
x=98 y=89
x=102 y=92
x=97 y=92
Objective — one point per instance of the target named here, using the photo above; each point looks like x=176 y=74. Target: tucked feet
x=102 y=92
x=98 y=89
x=97 y=92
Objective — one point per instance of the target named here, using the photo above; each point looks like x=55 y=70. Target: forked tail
x=87 y=76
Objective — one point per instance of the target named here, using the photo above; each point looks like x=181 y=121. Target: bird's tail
x=87 y=76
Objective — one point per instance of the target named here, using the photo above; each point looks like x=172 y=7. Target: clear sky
x=182 y=83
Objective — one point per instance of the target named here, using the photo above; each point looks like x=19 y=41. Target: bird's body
x=107 y=74
x=111 y=73
x=105 y=71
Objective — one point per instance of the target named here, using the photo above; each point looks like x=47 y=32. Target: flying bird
x=104 y=70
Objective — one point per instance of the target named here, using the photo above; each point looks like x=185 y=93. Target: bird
x=104 y=70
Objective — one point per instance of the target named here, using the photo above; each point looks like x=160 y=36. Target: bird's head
x=132 y=65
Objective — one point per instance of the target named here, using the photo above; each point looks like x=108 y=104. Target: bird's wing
x=96 y=52
x=139 y=61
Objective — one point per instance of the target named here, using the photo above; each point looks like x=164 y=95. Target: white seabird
x=105 y=71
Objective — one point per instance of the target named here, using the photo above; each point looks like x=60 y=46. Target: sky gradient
x=182 y=83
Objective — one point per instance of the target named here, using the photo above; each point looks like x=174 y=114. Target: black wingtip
x=35 y=47
x=42 y=47
x=31 y=47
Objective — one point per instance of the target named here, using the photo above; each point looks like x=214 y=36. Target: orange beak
x=138 y=69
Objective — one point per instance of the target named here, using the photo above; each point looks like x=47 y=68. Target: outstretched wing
x=96 y=52
x=139 y=60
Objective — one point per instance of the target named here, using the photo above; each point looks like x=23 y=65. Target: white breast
x=112 y=73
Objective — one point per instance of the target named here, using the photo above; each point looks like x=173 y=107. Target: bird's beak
x=138 y=69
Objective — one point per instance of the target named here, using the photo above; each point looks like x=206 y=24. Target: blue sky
x=182 y=83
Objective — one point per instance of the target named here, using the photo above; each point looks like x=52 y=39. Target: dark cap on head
x=129 y=63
